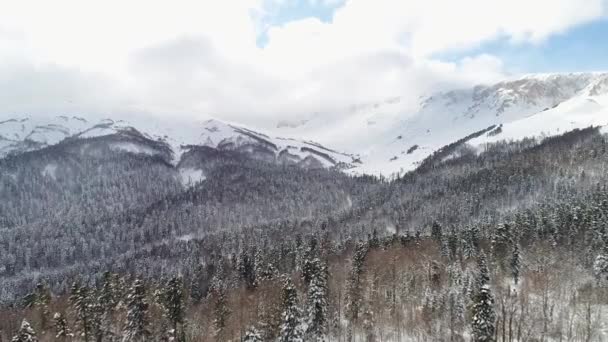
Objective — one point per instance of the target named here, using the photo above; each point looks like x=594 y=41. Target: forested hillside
x=505 y=242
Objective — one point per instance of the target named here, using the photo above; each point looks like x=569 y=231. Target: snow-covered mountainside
x=534 y=105
x=379 y=138
x=27 y=134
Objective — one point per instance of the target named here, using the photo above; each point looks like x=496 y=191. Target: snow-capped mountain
x=378 y=138
x=396 y=138
x=27 y=134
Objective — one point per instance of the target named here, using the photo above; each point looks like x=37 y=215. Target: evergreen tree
x=172 y=302
x=252 y=335
x=79 y=300
x=221 y=312
x=291 y=327
x=500 y=241
x=136 y=327
x=199 y=284
x=483 y=277
x=374 y=241
x=317 y=302
x=354 y=291
x=484 y=317
x=39 y=300
x=600 y=267
x=25 y=334
x=95 y=318
x=515 y=263
x=62 y=331
x=42 y=300
x=246 y=268
x=436 y=232
x=107 y=300
x=308 y=267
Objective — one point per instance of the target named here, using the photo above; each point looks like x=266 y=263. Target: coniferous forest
x=507 y=243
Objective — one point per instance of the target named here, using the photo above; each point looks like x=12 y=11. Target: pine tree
x=374 y=241
x=136 y=328
x=95 y=318
x=197 y=293
x=25 y=334
x=515 y=263
x=42 y=299
x=107 y=300
x=484 y=317
x=456 y=311
x=79 y=299
x=172 y=302
x=307 y=260
x=483 y=277
x=291 y=328
x=354 y=291
x=62 y=331
x=600 y=267
x=252 y=335
x=221 y=312
x=317 y=305
x=501 y=240
x=246 y=268
x=436 y=232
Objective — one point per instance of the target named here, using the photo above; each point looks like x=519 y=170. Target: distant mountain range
x=389 y=138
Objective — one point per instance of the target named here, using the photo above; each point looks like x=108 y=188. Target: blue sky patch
x=291 y=10
x=583 y=48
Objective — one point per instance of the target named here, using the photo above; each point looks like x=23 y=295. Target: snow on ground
x=191 y=176
x=133 y=148
x=579 y=112
x=50 y=170
x=540 y=105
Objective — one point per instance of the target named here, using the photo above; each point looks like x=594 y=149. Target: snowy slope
x=221 y=135
x=26 y=134
x=534 y=105
x=379 y=138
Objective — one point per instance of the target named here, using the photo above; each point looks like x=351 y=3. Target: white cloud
x=197 y=58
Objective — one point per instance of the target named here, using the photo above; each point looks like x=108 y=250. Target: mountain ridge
x=387 y=138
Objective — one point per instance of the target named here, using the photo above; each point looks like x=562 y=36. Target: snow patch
x=186 y=237
x=191 y=176
x=50 y=170
x=132 y=148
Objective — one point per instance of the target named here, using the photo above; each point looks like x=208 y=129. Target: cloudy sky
x=259 y=61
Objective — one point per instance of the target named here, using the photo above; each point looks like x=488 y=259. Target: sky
x=261 y=61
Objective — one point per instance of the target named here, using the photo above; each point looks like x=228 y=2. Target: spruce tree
x=42 y=300
x=600 y=267
x=252 y=335
x=246 y=268
x=79 y=300
x=483 y=277
x=107 y=300
x=196 y=290
x=515 y=263
x=136 y=328
x=484 y=317
x=172 y=302
x=436 y=232
x=354 y=291
x=291 y=327
x=317 y=302
x=221 y=312
x=25 y=334
x=62 y=331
